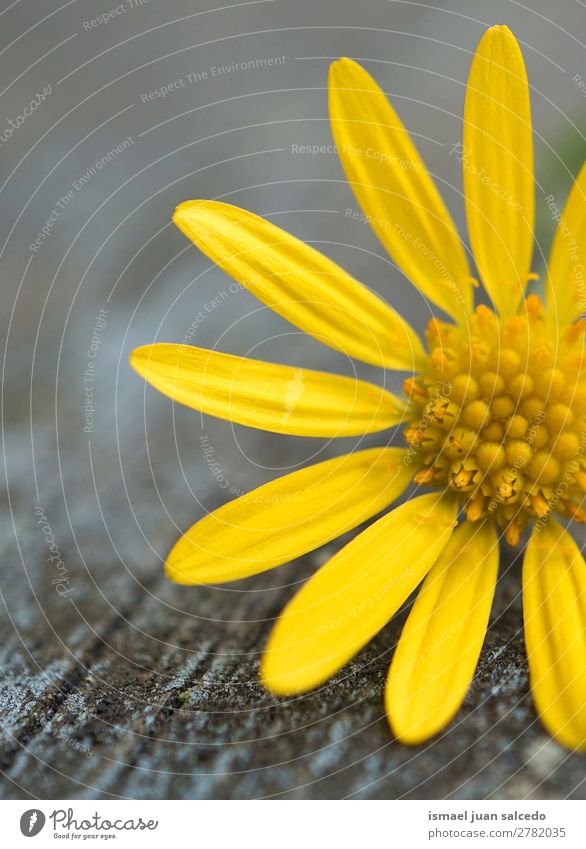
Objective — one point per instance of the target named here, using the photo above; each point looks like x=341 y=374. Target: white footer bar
x=294 y=824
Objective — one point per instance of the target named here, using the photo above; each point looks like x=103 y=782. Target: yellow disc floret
x=499 y=417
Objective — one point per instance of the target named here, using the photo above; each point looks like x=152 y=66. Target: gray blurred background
x=117 y=686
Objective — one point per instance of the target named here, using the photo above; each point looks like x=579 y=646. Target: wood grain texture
x=126 y=685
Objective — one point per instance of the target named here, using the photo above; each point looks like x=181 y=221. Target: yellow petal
x=300 y=284
x=395 y=190
x=288 y=517
x=352 y=597
x=566 y=281
x=439 y=648
x=281 y=399
x=554 y=610
x=497 y=159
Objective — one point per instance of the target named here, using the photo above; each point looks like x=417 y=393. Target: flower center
x=499 y=417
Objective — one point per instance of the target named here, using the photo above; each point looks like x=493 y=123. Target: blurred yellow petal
x=554 y=610
x=497 y=159
x=353 y=596
x=566 y=281
x=395 y=190
x=281 y=399
x=439 y=648
x=289 y=517
x=300 y=284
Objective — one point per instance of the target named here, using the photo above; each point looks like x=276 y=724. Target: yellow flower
x=495 y=414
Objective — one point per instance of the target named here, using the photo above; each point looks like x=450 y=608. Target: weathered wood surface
x=114 y=682
x=131 y=687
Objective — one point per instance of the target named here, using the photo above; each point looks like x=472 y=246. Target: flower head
x=493 y=414
x=498 y=417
